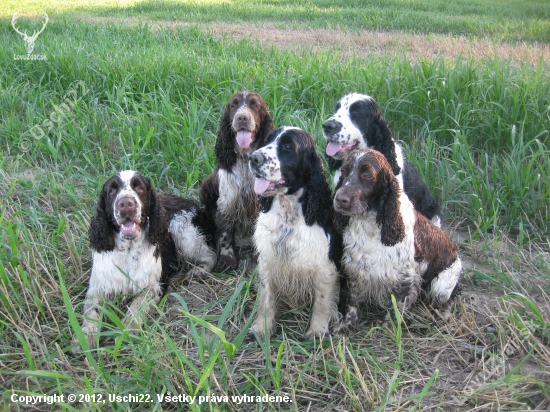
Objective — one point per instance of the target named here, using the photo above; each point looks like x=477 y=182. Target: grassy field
x=510 y=20
x=114 y=93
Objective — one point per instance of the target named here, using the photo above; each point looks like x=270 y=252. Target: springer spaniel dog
x=359 y=124
x=141 y=241
x=299 y=250
x=389 y=247
x=228 y=193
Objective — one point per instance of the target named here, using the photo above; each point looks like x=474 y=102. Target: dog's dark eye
x=287 y=147
x=113 y=189
x=253 y=103
x=139 y=188
x=366 y=172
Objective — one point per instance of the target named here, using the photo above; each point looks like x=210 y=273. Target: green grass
x=483 y=125
x=508 y=20
x=151 y=101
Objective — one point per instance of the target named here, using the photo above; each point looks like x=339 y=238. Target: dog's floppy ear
x=388 y=216
x=384 y=142
x=266 y=127
x=225 y=142
x=158 y=235
x=318 y=206
x=158 y=220
x=102 y=230
x=265 y=203
x=339 y=220
x=333 y=164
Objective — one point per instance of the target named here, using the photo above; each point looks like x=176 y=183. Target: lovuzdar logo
x=28 y=38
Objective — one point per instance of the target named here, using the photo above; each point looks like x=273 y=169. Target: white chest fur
x=375 y=270
x=293 y=257
x=128 y=269
x=237 y=201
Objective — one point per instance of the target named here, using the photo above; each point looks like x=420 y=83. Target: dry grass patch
x=365 y=43
x=360 y=44
x=493 y=354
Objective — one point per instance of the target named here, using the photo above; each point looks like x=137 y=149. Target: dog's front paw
x=226 y=263
x=349 y=322
x=258 y=330
x=196 y=273
x=90 y=338
x=352 y=318
x=339 y=328
x=76 y=349
x=250 y=336
x=445 y=313
x=320 y=333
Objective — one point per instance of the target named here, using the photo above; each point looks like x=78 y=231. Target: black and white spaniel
x=299 y=251
x=228 y=193
x=359 y=124
x=390 y=248
x=141 y=241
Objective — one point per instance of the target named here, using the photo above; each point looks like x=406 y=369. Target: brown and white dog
x=228 y=193
x=141 y=241
x=358 y=123
x=389 y=247
x=298 y=249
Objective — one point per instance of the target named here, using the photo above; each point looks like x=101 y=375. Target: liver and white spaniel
x=359 y=124
x=228 y=193
x=390 y=248
x=299 y=250
x=141 y=241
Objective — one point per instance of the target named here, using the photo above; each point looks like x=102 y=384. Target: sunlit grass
x=508 y=20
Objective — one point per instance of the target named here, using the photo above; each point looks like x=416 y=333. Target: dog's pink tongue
x=260 y=185
x=333 y=148
x=243 y=139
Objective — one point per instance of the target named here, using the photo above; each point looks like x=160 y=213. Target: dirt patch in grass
x=365 y=43
x=362 y=44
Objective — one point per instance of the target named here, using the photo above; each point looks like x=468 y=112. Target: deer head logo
x=29 y=39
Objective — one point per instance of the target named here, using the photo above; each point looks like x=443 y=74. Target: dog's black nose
x=126 y=205
x=342 y=200
x=330 y=126
x=242 y=119
x=257 y=159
